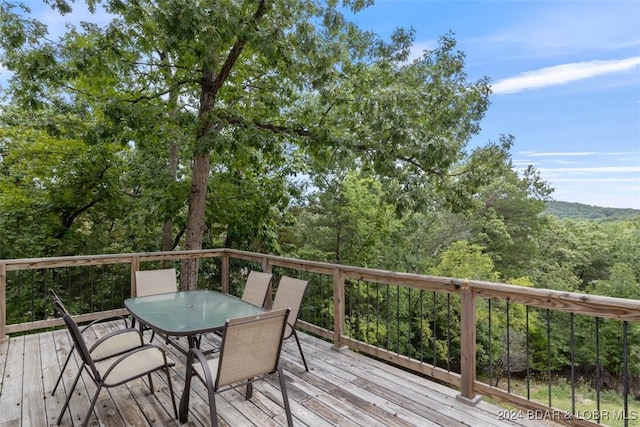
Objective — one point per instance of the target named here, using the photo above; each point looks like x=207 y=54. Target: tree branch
x=178 y=237
x=68 y=219
x=276 y=129
x=419 y=166
x=234 y=54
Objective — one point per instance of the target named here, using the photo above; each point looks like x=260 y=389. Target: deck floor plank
x=103 y=413
x=341 y=389
x=340 y=380
x=50 y=369
x=33 y=409
x=11 y=397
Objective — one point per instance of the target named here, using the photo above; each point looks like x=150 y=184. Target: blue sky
x=565 y=77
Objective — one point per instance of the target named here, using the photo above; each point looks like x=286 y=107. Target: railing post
x=135 y=266
x=338 y=309
x=266 y=268
x=225 y=273
x=467 y=345
x=3 y=302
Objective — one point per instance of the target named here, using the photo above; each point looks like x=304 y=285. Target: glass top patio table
x=188 y=313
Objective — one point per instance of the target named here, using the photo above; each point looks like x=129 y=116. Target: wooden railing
x=340 y=276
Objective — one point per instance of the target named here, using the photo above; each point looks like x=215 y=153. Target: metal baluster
x=448 y=332
x=435 y=316
x=625 y=372
x=508 y=349
x=490 y=346
x=377 y=316
x=598 y=370
x=421 y=325
x=398 y=321
x=388 y=304
x=549 y=354
x=573 y=363
x=409 y=317
x=527 y=353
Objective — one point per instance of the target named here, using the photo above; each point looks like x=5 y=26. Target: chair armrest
x=104 y=319
x=133 y=364
x=116 y=343
x=195 y=353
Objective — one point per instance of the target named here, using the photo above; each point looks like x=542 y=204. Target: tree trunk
x=210 y=84
x=196 y=224
x=196 y=218
x=167 y=227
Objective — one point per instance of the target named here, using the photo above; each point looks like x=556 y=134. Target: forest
x=279 y=127
x=582 y=211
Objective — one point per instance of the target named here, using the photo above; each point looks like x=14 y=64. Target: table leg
x=184 y=401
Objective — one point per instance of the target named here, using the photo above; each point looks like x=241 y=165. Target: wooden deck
x=342 y=389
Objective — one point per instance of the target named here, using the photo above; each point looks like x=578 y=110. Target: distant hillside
x=580 y=211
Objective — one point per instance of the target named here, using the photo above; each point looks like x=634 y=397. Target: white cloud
x=612 y=180
x=548 y=29
x=552 y=154
x=562 y=74
x=418 y=49
x=594 y=169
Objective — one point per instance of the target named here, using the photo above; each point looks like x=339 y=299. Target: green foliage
x=51 y=186
x=503 y=332
x=588 y=212
x=509 y=219
x=622 y=283
x=349 y=222
x=303 y=135
x=465 y=261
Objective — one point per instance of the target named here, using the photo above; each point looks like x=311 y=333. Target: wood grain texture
x=342 y=389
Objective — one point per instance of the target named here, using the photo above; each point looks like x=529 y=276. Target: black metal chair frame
x=100 y=380
x=212 y=384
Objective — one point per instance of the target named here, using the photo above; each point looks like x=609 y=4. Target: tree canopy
x=273 y=126
x=215 y=106
x=281 y=127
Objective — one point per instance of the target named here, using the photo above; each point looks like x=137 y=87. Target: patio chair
x=289 y=294
x=154 y=282
x=138 y=361
x=255 y=291
x=256 y=288
x=250 y=351
x=107 y=347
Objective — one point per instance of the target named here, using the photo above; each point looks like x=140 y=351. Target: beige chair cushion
x=250 y=348
x=289 y=294
x=147 y=359
x=153 y=282
x=256 y=288
x=116 y=343
x=213 y=368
